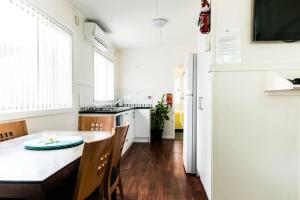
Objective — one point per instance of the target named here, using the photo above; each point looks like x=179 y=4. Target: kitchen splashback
x=130 y=98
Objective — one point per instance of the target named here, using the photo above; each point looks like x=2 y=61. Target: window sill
x=31 y=114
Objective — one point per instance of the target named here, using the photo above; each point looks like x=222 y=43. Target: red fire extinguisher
x=204 y=17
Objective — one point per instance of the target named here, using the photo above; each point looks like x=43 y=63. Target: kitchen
x=113 y=82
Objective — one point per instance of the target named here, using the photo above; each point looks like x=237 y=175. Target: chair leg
x=121 y=188
x=107 y=197
x=101 y=192
x=114 y=195
x=106 y=192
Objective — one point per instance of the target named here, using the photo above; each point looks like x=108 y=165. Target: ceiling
x=128 y=21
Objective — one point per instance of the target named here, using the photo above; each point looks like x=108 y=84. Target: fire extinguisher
x=204 y=17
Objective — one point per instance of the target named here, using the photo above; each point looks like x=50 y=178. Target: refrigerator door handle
x=200 y=103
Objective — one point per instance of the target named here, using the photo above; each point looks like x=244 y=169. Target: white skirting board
x=141 y=140
x=168 y=137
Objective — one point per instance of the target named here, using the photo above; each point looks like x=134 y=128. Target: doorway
x=178 y=102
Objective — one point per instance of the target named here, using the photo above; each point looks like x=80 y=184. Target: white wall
x=255 y=145
x=238 y=14
x=255 y=136
x=63 y=12
x=150 y=71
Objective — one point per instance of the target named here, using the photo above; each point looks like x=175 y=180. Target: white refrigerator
x=190 y=115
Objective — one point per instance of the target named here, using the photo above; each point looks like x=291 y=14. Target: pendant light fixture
x=158 y=22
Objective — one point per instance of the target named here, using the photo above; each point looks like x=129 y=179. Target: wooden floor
x=155 y=172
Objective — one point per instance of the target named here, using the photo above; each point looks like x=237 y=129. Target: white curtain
x=35 y=60
x=55 y=66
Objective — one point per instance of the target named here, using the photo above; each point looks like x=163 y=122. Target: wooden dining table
x=33 y=175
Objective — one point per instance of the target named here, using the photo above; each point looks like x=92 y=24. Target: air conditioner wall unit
x=96 y=36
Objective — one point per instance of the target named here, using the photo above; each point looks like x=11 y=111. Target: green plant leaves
x=159 y=114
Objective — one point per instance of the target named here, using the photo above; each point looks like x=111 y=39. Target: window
x=35 y=60
x=103 y=78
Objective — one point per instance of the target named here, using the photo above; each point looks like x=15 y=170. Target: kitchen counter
x=115 y=110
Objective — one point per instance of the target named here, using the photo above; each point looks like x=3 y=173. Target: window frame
x=99 y=52
x=47 y=112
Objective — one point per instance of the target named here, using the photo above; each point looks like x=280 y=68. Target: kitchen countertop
x=116 y=110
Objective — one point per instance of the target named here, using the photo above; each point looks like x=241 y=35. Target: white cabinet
x=131 y=129
x=139 y=127
x=129 y=118
x=142 y=125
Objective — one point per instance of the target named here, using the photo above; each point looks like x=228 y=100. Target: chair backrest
x=120 y=134
x=87 y=123
x=95 y=159
x=12 y=130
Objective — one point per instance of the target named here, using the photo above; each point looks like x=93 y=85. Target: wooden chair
x=113 y=178
x=95 y=159
x=86 y=123
x=12 y=130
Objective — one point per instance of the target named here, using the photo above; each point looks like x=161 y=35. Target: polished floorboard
x=155 y=172
x=179 y=135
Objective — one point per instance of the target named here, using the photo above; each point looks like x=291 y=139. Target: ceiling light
x=158 y=22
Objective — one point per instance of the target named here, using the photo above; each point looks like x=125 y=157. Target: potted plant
x=159 y=115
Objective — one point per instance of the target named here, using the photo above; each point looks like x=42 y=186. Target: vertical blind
x=103 y=78
x=35 y=60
